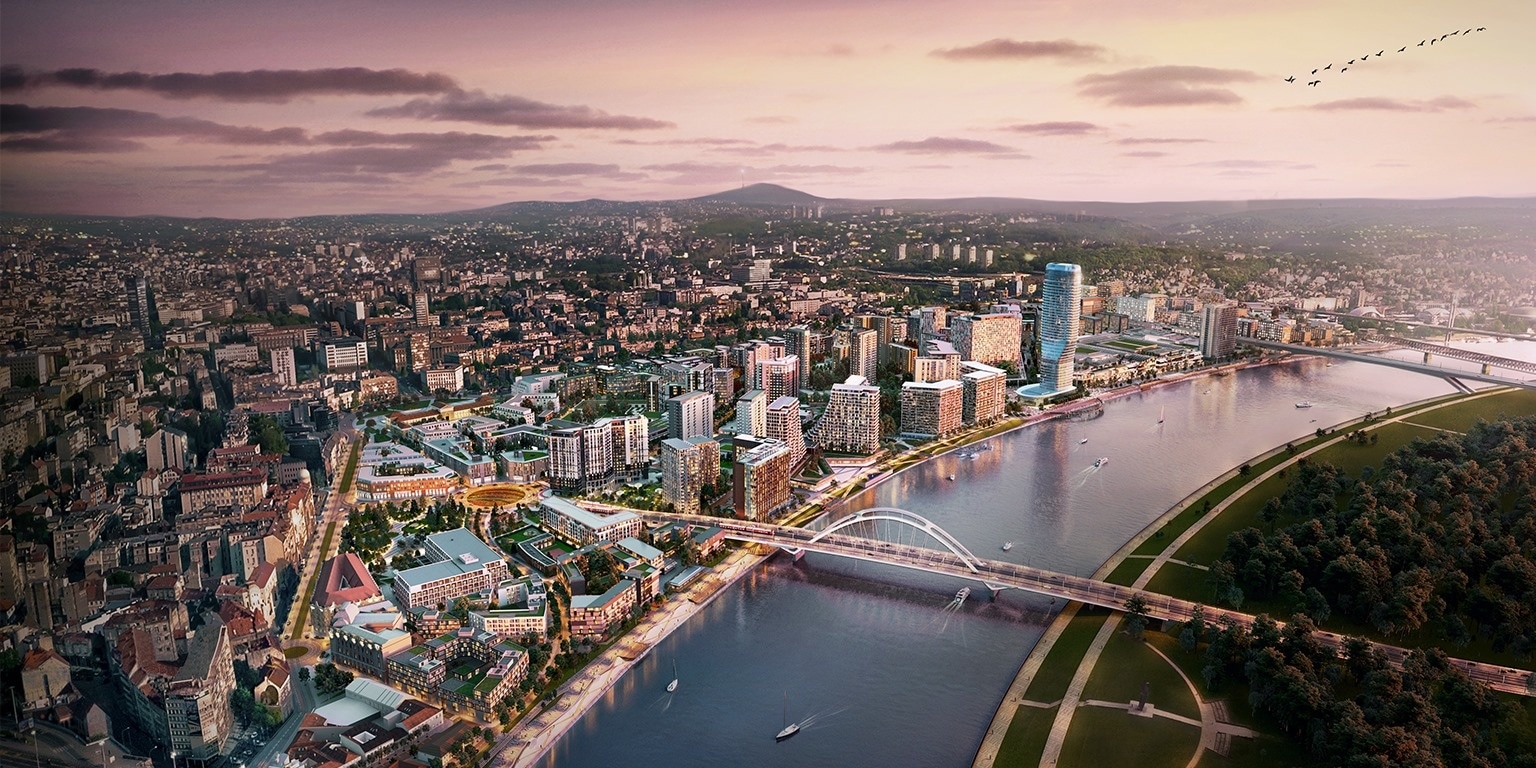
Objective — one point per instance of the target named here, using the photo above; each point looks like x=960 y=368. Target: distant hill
x=762 y=194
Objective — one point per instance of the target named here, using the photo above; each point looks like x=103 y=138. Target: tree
x=1136 y=615
x=303 y=674
x=243 y=705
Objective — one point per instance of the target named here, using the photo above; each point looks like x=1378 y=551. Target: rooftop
x=584 y=517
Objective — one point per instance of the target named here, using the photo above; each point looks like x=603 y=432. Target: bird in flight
x=1480 y=29
x=1342 y=71
x=1421 y=43
x=1351 y=61
x=1379 y=53
x=1291 y=79
x=1314 y=82
x=1330 y=66
x=1404 y=48
x=1314 y=71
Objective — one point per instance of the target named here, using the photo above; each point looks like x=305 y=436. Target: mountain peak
x=762 y=194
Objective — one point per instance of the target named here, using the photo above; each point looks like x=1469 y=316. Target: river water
x=870 y=660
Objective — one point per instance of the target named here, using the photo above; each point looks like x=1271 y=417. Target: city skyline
x=286 y=110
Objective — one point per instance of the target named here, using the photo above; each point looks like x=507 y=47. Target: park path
x=1070 y=702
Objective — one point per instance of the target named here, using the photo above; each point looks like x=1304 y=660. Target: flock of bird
x=1426 y=41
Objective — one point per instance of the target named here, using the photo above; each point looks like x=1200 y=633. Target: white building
x=852 y=420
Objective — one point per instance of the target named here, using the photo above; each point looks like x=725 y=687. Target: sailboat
x=672 y=686
x=790 y=729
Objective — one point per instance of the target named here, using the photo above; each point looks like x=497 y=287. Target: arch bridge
x=953 y=558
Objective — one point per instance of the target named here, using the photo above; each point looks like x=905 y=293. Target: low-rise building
x=594 y=616
x=585 y=527
x=461 y=565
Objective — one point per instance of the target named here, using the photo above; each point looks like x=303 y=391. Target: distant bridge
x=1453 y=376
x=954 y=559
x=1416 y=324
x=1488 y=362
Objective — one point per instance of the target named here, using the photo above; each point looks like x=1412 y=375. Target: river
x=872 y=663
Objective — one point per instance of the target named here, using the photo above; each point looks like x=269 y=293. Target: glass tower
x=1060 y=323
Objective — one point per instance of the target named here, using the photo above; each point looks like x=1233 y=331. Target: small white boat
x=1101 y=462
x=1161 y=414
x=790 y=729
x=672 y=686
x=1304 y=404
x=1084 y=440
x=1007 y=546
x=951 y=477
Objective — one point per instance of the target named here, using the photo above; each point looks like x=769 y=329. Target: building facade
x=691 y=415
x=851 y=422
x=760 y=479
x=1059 y=325
x=993 y=339
x=686 y=467
x=784 y=426
x=931 y=409
x=1218 y=331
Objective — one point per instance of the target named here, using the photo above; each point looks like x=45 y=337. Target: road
x=1001 y=575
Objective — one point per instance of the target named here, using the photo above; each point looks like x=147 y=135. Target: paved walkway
x=537 y=734
x=1071 y=701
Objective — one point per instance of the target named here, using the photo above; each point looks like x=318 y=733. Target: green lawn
x=309 y=591
x=1108 y=737
x=1184 y=582
x=1126 y=664
x=1055 y=674
x=1025 y=739
x=351 y=471
x=1520 y=402
x=1127 y=571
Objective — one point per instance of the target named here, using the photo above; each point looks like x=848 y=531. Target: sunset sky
x=293 y=108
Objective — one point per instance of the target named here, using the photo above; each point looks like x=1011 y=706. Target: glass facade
x=1060 y=321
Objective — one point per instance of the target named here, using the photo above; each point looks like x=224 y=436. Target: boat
x=1161 y=414
x=1084 y=440
x=1101 y=462
x=1304 y=404
x=672 y=686
x=1007 y=546
x=790 y=729
x=951 y=477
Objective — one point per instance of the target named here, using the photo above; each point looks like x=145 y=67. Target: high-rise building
x=1218 y=331
x=752 y=413
x=852 y=420
x=343 y=353
x=686 y=467
x=931 y=409
x=1059 y=326
x=760 y=479
x=799 y=340
x=784 y=426
x=985 y=393
x=185 y=706
x=587 y=457
x=691 y=414
x=994 y=339
x=166 y=449
x=140 y=312
x=422 y=309
x=864 y=353
x=284 y=366
x=779 y=377
x=924 y=324
x=901 y=251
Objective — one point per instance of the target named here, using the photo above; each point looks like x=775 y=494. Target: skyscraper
x=752 y=413
x=136 y=288
x=691 y=415
x=422 y=309
x=993 y=339
x=779 y=377
x=852 y=419
x=1218 y=331
x=1060 y=321
x=864 y=353
x=800 y=338
x=784 y=426
x=686 y=467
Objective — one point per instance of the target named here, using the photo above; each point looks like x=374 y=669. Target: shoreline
x=536 y=736
x=1033 y=662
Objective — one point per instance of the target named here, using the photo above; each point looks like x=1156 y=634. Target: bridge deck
x=1001 y=575
x=1406 y=365
x=1464 y=354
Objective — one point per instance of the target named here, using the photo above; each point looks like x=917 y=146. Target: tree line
x=1441 y=539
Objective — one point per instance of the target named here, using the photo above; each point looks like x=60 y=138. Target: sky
x=275 y=109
